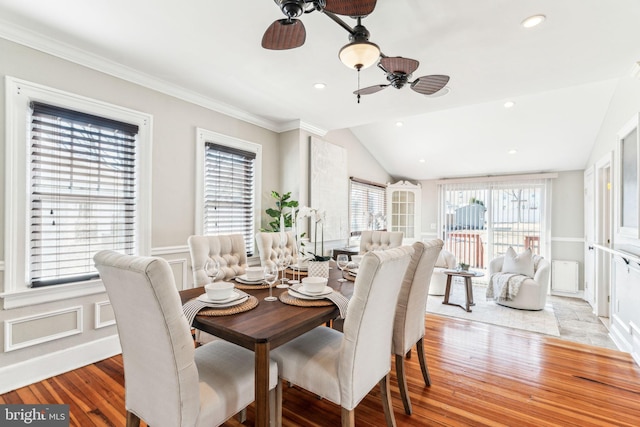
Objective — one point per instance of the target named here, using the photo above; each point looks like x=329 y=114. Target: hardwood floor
x=482 y=375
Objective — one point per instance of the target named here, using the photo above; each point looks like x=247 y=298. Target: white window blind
x=83 y=192
x=229 y=190
x=368 y=207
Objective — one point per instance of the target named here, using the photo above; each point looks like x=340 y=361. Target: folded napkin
x=335 y=297
x=193 y=306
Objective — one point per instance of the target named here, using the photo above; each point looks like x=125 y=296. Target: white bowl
x=219 y=290
x=314 y=284
x=254 y=273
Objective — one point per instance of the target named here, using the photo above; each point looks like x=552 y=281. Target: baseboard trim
x=40 y=368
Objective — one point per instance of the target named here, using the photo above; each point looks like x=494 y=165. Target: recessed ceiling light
x=534 y=20
x=399 y=124
x=320 y=85
x=422 y=160
x=512 y=151
x=509 y=104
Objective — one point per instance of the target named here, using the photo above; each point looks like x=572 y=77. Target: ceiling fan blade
x=284 y=34
x=350 y=7
x=398 y=64
x=369 y=90
x=428 y=85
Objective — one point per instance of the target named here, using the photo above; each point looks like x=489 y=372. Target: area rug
x=543 y=321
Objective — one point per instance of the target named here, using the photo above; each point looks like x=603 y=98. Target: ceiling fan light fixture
x=359 y=54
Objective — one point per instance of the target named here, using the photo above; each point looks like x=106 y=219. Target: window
x=228 y=186
x=83 y=192
x=77 y=181
x=367 y=207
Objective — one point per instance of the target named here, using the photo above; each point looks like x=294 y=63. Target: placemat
x=291 y=300
x=257 y=286
x=250 y=303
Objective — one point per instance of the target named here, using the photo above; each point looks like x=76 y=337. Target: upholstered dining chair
x=269 y=247
x=229 y=250
x=344 y=366
x=169 y=382
x=408 y=326
x=379 y=240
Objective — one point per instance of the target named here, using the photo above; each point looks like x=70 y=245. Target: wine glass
x=342 y=260
x=270 y=277
x=283 y=263
x=212 y=268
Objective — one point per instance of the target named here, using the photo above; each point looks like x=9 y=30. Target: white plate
x=243 y=279
x=237 y=301
x=234 y=296
x=326 y=291
x=303 y=296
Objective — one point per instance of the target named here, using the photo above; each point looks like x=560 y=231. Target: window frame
x=19 y=94
x=204 y=136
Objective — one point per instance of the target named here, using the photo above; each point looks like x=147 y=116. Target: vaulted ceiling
x=560 y=74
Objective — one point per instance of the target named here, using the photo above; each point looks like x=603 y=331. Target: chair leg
x=408 y=355
x=402 y=384
x=275 y=405
x=242 y=416
x=348 y=418
x=386 y=401
x=132 y=420
x=423 y=362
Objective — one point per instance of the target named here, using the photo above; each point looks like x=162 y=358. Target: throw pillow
x=518 y=263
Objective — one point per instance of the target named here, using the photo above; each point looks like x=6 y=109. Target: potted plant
x=284 y=207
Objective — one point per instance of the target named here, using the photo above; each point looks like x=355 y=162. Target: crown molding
x=299 y=124
x=37 y=41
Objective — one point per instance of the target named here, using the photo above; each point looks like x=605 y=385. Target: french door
x=481 y=219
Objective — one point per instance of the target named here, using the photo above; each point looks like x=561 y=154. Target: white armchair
x=533 y=292
x=379 y=240
x=446 y=261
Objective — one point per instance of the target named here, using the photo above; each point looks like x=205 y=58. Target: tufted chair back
x=379 y=240
x=229 y=250
x=268 y=243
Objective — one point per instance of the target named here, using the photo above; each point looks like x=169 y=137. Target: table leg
x=447 y=290
x=469 y=289
x=262 y=384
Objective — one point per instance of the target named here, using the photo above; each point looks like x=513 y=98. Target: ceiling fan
x=399 y=71
x=359 y=53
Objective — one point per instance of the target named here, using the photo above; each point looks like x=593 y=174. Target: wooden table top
x=271 y=321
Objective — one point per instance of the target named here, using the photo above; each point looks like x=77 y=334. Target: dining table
x=269 y=325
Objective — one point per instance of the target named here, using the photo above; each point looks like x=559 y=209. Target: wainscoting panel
x=40 y=328
x=103 y=315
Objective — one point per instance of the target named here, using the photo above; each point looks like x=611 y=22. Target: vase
x=318 y=269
